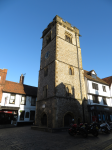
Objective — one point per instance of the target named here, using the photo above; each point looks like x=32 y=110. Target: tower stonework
x=61 y=87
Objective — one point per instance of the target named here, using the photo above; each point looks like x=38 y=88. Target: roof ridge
x=13 y=82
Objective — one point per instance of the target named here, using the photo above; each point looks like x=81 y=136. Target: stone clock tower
x=61 y=87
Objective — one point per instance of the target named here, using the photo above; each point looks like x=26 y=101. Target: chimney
x=3 y=73
x=21 y=79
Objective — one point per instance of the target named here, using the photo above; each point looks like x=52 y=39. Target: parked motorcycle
x=104 y=127
x=92 y=129
x=78 y=130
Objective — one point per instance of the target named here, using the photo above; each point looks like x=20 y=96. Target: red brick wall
x=3 y=73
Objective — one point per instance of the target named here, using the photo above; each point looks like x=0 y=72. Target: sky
x=23 y=21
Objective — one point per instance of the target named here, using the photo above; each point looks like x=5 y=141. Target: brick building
x=61 y=87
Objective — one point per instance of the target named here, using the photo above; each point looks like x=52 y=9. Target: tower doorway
x=68 y=119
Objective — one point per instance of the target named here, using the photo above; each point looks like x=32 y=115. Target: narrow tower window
x=70 y=71
x=45 y=71
x=48 y=38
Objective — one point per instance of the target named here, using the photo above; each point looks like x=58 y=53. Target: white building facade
x=98 y=97
x=17 y=103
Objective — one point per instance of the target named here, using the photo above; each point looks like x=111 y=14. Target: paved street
x=27 y=139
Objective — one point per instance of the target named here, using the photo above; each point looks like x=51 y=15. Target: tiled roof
x=108 y=80
x=13 y=87
x=86 y=74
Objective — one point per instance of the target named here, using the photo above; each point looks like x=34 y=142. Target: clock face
x=47 y=54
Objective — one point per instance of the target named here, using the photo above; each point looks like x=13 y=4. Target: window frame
x=94 y=86
x=32 y=99
x=45 y=91
x=67 y=36
x=24 y=100
x=46 y=71
x=104 y=88
x=104 y=100
x=48 y=38
x=96 y=100
x=12 y=99
x=26 y=114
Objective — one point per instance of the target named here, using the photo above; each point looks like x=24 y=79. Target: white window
x=12 y=99
x=23 y=100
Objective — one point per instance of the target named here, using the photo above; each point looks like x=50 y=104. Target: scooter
x=104 y=127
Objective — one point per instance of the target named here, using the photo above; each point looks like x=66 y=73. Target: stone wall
x=56 y=108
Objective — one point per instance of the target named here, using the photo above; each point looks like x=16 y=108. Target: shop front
x=8 y=115
x=100 y=113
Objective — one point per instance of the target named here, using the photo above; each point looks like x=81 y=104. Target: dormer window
x=94 y=76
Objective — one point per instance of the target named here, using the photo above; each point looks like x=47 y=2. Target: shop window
x=27 y=115
x=33 y=101
x=104 y=101
x=32 y=115
x=104 y=88
x=23 y=100
x=12 y=99
x=95 y=86
x=45 y=71
x=45 y=90
x=95 y=99
x=22 y=115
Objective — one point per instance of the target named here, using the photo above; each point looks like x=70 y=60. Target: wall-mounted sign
x=47 y=55
x=43 y=106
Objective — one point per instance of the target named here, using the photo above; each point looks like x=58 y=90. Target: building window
x=27 y=115
x=45 y=71
x=45 y=89
x=48 y=38
x=23 y=100
x=12 y=99
x=33 y=101
x=22 y=115
x=95 y=99
x=104 y=88
x=71 y=71
x=95 y=86
x=32 y=115
x=68 y=38
x=104 y=101
x=94 y=76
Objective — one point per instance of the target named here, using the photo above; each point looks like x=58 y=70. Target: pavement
x=24 y=138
